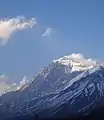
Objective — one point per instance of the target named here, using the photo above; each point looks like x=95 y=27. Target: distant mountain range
x=70 y=87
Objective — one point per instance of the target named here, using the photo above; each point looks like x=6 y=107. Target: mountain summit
x=77 y=61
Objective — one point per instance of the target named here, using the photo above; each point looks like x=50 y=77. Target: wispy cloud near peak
x=11 y=25
x=47 y=32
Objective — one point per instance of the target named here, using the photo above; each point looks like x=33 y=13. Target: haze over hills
x=6 y=85
x=70 y=86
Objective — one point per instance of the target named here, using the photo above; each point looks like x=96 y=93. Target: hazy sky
x=46 y=30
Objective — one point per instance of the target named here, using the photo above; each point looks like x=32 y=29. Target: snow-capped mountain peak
x=77 y=61
x=72 y=80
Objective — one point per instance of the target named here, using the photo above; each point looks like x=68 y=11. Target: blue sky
x=76 y=26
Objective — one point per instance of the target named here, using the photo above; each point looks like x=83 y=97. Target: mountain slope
x=70 y=86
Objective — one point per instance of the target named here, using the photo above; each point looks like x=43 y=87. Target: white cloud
x=23 y=82
x=47 y=32
x=7 y=86
x=76 y=58
x=9 y=26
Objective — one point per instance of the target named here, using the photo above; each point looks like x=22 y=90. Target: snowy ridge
x=82 y=75
x=77 y=61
